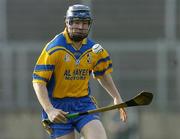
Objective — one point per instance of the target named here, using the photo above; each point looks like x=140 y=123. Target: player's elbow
x=37 y=85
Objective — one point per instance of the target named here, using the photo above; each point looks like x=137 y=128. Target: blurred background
x=142 y=37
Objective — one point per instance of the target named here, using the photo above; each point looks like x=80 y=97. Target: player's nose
x=80 y=25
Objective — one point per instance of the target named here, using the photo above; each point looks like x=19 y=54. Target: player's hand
x=123 y=114
x=57 y=115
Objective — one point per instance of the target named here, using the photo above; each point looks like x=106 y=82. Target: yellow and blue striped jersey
x=66 y=71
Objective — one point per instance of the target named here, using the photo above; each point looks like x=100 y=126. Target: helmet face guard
x=78 y=13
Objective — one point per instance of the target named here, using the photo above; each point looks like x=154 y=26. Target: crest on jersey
x=97 y=48
x=67 y=58
x=89 y=58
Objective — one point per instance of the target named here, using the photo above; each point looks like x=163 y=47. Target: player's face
x=78 y=29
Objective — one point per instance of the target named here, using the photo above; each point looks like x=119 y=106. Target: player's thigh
x=94 y=130
x=68 y=136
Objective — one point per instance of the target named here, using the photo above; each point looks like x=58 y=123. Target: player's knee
x=94 y=130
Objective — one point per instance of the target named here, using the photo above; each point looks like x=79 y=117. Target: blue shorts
x=72 y=105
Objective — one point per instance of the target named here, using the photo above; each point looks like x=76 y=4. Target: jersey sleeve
x=44 y=67
x=103 y=64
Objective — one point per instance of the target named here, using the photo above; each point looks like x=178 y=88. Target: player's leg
x=68 y=136
x=94 y=130
x=89 y=125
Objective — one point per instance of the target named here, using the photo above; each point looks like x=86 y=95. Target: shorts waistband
x=70 y=99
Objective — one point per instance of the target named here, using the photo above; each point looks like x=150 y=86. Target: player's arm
x=54 y=115
x=41 y=76
x=42 y=95
x=107 y=83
